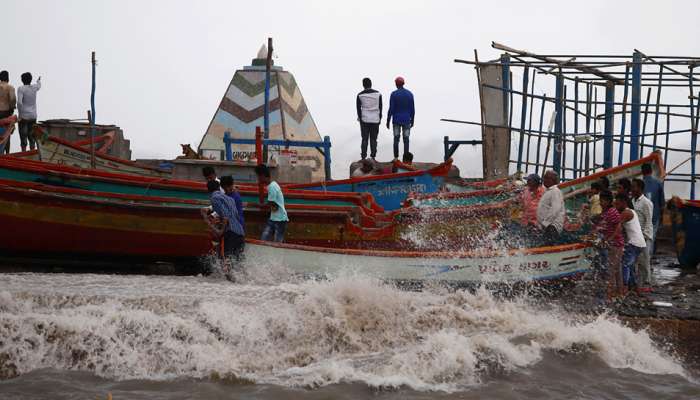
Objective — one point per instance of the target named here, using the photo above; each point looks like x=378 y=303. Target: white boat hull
x=510 y=266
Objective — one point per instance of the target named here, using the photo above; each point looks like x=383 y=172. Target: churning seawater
x=271 y=337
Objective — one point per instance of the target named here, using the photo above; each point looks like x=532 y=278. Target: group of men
x=625 y=222
x=225 y=216
x=401 y=114
x=24 y=100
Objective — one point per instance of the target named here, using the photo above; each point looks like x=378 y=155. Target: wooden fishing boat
x=40 y=220
x=685 y=221
x=388 y=190
x=575 y=191
x=101 y=142
x=545 y=263
x=62 y=152
x=109 y=182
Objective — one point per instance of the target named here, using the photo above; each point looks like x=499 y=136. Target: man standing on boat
x=230 y=228
x=401 y=114
x=276 y=226
x=8 y=101
x=26 y=108
x=369 y=113
x=654 y=191
x=550 y=209
x=530 y=199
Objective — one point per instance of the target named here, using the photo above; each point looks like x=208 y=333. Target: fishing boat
x=39 y=219
x=685 y=222
x=59 y=151
x=575 y=191
x=119 y=183
x=102 y=143
x=522 y=265
x=388 y=190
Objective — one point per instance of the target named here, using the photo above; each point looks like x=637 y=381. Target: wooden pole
x=91 y=113
x=268 y=67
x=259 y=156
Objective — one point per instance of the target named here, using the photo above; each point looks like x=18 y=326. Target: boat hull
x=685 y=222
x=505 y=267
x=389 y=190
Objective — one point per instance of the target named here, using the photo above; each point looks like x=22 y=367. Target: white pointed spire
x=262 y=53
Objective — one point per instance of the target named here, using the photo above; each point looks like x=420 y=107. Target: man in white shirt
x=551 y=210
x=645 y=212
x=26 y=107
x=369 y=113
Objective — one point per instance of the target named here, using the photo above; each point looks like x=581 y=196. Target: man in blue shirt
x=654 y=191
x=230 y=229
x=276 y=226
x=228 y=185
x=403 y=111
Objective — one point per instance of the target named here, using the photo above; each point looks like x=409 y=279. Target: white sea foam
x=310 y=333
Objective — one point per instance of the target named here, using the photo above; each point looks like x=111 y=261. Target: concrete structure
x=495 y=134
x=242 y=109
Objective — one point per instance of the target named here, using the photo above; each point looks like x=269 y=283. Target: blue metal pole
x=693 y=135
x=558 y=124
x=505 y=84
x=621 y=146
x=539 y=139
x=576 y=166
x=636 y=105
x=227 y=146
x=523 y=117
x=327 y=156
x=609 y=124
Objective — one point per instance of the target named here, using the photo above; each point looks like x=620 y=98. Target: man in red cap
x=401 y=113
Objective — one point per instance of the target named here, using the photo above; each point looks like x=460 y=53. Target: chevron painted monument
x=242 y=109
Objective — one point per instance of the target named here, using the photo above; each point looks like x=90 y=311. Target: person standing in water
x=227 y=184
x=634 y=243
x=229 y=227
x=611 y=244
x=276 y=225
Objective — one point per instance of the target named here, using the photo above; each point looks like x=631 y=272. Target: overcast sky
x=164 y=65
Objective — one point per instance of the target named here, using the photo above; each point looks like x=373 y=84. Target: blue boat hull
x=685 y=219
x=388 y=190
x=389 y=193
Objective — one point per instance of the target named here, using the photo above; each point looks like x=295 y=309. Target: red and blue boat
x=388 y=190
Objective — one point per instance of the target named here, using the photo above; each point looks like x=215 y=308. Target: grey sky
x=164 y=65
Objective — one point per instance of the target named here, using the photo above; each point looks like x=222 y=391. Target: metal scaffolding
x=653 y=100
